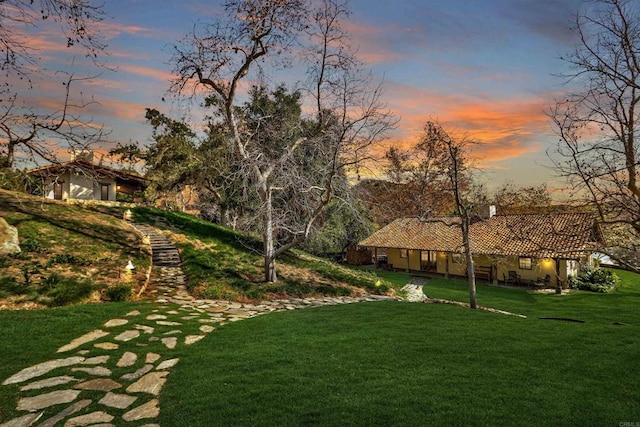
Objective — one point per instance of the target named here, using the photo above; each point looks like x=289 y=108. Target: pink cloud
x=372 y=48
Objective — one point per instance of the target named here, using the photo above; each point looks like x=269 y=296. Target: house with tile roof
x=523 y=248
x=82 y=179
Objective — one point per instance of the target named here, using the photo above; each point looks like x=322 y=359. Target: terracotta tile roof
x=85 y=167
x=565 y=235
x=438 y=234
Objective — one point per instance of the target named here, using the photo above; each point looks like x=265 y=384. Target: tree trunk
x=267 y=236
x=7 y=162
x=224 y=217
x=472 y=281
x=470 y=268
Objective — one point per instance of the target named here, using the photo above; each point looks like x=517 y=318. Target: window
x=104 y=191
x=525 y=263
x=456 y=258
x=404 y=253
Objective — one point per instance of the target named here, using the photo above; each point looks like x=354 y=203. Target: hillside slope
x=68 y=252
x=73 y=253
x=223 y=264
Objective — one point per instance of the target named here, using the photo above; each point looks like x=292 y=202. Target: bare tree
x=38 y=132
x=451 y=156
x=418 y=186
x=347 y=117
x=511 y=199
x=78 y=20
x=597 y=124
x=35 y=133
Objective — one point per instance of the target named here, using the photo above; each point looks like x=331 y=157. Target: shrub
x=67 y=259
x=31 y=245
x=69 y=291
x=594 y=280
x=9 y=286
x=218 y=291
x=29 y=270
x=4 y=262
x=119 y=292
x=50 y=282
x=124 y=197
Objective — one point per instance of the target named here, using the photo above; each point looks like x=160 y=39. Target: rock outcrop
x=9 y=243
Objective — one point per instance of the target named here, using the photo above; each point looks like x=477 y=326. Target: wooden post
x=408 y=262
x=558 y=284
x=375 y=257
x=446 y=272
x=494 y=272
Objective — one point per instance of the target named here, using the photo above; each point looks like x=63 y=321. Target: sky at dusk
x=483 y=67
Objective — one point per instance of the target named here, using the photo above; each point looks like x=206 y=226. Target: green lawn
x=620 y=305
x=386 y=363
x=393 y=363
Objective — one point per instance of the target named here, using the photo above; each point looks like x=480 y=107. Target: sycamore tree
x=597 y=121
x=36 y=132
x=450 y=156
x=288 y=159
x=441 y=162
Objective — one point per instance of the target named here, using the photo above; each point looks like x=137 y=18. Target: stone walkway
x=113 y=375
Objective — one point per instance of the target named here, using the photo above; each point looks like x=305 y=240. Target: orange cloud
x=130 y=111
x=111 y=30
x=147 y=72
x=504 y=128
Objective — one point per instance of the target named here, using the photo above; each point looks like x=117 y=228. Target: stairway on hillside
x=164 y=253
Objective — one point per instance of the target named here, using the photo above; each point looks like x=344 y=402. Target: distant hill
x=388 y=200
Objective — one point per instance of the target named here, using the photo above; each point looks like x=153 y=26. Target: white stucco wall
x=80 y=187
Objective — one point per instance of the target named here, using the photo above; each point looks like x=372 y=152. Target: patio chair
x=511 y=278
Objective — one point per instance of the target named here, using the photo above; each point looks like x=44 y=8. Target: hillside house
x=81 y=179
x=523 y=248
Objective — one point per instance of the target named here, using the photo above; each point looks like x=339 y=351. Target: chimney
x=484 y=211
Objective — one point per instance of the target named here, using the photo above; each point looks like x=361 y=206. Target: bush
x=9 y=286
x=119 y=292
x=69 y=291
x=31 y=245
x=124 y=198
x=29 y=270
x=49 y=283
x=594 y=280
x=67 y=259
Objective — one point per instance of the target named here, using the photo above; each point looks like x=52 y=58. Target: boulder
x=9 y=243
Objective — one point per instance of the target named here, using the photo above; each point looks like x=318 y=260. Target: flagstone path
x=113 y=375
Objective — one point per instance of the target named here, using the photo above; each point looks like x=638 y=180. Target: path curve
x=115 y=374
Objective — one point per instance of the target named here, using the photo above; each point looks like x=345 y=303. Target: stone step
x=166 y=257
x=166 y=254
